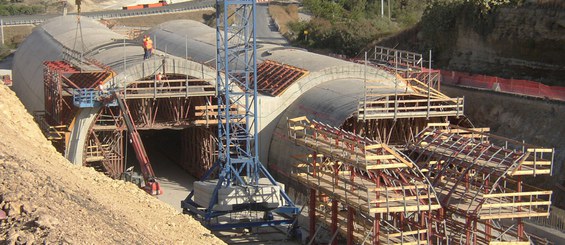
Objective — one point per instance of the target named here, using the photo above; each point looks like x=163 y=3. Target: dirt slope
x=44 y=199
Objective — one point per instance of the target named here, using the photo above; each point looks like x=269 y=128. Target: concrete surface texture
x=184 y=37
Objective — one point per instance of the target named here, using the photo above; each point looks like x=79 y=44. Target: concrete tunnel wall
x=198 y=41
x=329 y=92
x=46 y=44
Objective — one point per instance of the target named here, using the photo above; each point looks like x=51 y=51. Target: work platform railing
x=479 y=180
x=52 y=133
x=386 y=196
x=169 y=88
x=410 y=99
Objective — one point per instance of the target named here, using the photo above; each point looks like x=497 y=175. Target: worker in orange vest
x=147 y=47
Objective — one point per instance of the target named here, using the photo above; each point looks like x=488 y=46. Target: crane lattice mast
x=238 y=147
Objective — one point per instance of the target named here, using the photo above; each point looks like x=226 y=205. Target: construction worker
x=147 y=47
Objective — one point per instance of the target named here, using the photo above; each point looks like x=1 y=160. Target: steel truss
x=154 y=104
x=480 y=183
x=238 y=161
x=369 y=184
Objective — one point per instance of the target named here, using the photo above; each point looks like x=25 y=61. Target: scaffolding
x=388 y=200
x=412 y=99
x=158 y=101
x=394 y=109
x=479 y=181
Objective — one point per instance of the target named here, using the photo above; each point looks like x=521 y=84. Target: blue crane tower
x=244 y=186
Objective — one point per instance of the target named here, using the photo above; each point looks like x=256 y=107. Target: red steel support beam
x=488 y=224
x=468 y=230
x=334 y=206
x=350 y=217
x=377 y=221
x=312 y=212
x=350 y=212
x=377 y=229
x=334 y=219
x=519 y=221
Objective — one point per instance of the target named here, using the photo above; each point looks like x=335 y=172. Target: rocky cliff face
x=525 y=42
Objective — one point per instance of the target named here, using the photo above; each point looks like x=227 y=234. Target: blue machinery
x=238 y=161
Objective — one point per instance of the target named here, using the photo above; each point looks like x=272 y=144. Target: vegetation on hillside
x=348 y=26
x=14 y=8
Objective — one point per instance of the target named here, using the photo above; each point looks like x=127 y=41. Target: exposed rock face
x=526 y=42
x=523 y=43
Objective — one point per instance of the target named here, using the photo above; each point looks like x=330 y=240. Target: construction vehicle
x=84 y=98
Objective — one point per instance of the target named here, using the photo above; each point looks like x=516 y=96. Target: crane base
x=263 y=196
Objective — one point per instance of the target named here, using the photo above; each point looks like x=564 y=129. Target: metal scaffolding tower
x=243 y=183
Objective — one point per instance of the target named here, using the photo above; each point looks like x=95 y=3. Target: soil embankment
x=46 y=200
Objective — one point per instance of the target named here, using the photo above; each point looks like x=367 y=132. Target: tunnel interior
x=172 y=156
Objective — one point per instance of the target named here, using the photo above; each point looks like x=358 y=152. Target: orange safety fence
x=512 y=86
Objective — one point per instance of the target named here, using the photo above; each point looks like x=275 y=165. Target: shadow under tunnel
x=167 y=156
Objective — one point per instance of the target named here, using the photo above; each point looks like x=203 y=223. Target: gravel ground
x=44 y=199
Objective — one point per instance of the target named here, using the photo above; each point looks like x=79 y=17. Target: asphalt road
x=265 y=27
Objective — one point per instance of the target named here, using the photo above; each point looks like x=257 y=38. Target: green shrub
x=20 y=9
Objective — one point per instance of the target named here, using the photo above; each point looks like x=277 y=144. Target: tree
x=487 y=5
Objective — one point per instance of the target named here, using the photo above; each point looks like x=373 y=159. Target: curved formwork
x=84 y=55
x=479 y=181
x=372 y=184
x=475 y=179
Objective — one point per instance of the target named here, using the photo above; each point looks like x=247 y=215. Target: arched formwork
x=478 y=179
x=337 y=104
x=88 y=55
x=364 y=189
x=286 y=74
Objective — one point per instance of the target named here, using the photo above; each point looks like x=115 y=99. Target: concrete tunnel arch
x=196 y=41
x=181 y=37
x=328 y=92
x=47 y=42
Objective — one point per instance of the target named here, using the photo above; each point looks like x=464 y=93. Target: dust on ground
x=45 y=199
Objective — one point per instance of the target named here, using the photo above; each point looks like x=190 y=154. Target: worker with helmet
x=147 y=47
